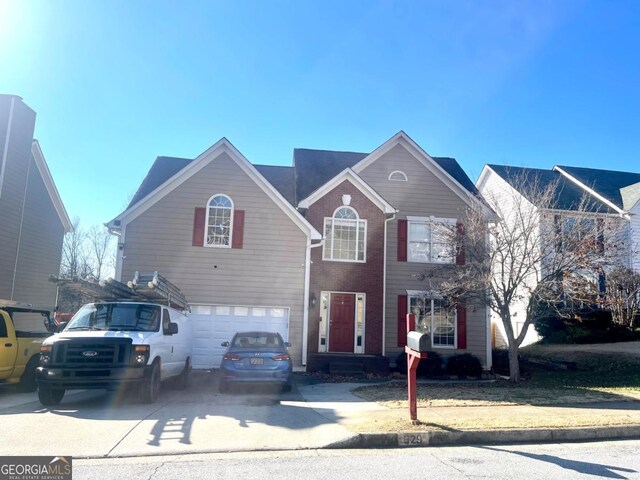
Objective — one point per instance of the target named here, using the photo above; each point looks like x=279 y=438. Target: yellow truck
x=20 y=350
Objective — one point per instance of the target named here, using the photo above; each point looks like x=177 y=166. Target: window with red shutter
x=402 y=320
x=238 y=229
x=402 y=240
x=462 y=326
x=199 y=219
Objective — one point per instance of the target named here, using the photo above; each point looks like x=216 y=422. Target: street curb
x=484 y=437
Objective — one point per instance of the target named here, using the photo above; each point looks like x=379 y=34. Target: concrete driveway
x=199 y=419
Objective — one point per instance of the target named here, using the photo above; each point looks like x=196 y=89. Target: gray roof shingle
x=282 y=178
x=607 y=183
x=314 y=168
x=311 y=169
x=162 y=169
x=567 y=195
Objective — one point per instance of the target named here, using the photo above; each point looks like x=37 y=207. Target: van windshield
x=116 y=317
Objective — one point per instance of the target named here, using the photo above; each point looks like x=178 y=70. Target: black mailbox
x=418 y=341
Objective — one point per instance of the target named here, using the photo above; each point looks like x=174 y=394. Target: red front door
x=342 y=322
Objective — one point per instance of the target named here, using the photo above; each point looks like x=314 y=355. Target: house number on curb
x=411 y=439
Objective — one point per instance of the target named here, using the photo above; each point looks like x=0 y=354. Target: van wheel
x=151 y=386
x=182 y=381
x=49 y=396
x=28 y=378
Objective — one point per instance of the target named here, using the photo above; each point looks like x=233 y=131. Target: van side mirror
x=287 y=344
x=172 y=329
x=224 y=344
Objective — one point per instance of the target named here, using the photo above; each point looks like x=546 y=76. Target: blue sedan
x=256 y=357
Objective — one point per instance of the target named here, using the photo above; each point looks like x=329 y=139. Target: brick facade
x=350 y=277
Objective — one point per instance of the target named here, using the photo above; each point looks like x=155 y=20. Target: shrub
x=464 y=365
x=500 y=360
x=427 y=368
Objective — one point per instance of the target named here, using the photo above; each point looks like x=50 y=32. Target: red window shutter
x=460 y=246
x=238 y=229
x=402 y=320
x=462 y=326
x=402 y=241
x=199 y=218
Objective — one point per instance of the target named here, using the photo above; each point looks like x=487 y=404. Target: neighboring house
x=607 y=209
x=32 y=215
x=331 y=252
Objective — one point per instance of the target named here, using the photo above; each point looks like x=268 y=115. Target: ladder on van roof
x=143 y=288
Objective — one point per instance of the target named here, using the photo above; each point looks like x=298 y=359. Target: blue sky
x=116 y=83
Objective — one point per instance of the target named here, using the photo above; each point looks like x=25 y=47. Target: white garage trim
x=217 y=323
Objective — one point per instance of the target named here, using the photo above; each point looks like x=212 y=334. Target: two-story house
x=331 y=251
x=32 y=215
x=601 y=202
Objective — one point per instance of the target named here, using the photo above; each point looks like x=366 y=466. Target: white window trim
x=405 y=179
x=358 y=220
x=435 y=296
x=432 y=219
x=206 y=224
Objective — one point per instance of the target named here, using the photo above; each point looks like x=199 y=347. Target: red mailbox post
x=413 y=359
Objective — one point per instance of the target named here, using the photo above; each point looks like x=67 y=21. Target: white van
x=108 y=345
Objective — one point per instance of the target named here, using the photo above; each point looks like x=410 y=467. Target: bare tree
x=99 y=245
x=74 y=261
x=531 y=259
x=623 y=296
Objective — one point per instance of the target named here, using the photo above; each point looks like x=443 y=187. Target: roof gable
x=357 y=182
x=567 y=195
x=468 y=193
x=193 y=167
x=54 y=195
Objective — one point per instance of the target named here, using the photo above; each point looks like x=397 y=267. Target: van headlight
x=45 y=355
x=140 y=355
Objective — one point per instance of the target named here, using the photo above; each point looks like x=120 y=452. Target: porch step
x=347 y=369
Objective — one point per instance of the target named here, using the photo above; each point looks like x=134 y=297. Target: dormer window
x=345 y=236
x=397 y=176
x=219 y=222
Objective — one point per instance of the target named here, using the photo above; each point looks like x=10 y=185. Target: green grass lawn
x=599 y=377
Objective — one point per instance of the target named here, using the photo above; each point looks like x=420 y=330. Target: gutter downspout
x=119 y=251
x=307 y=281
x=384 y=287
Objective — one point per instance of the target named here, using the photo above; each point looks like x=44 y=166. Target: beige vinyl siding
x=40 y=245
x=423 y=194
x=634 y=231
x=498 y=192
x=268 y=271
x=14 y=184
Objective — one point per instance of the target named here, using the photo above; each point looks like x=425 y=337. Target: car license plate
x=257 y=361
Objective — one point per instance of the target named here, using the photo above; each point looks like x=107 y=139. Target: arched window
x=219 y=221
x=397 y=176
x=345 y=236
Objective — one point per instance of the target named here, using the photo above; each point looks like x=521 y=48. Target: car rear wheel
x=50 y=396
x=151 y=386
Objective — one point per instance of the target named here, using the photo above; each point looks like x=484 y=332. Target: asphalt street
x=619 y=460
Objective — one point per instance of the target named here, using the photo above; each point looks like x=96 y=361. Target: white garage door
x=214 y=324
